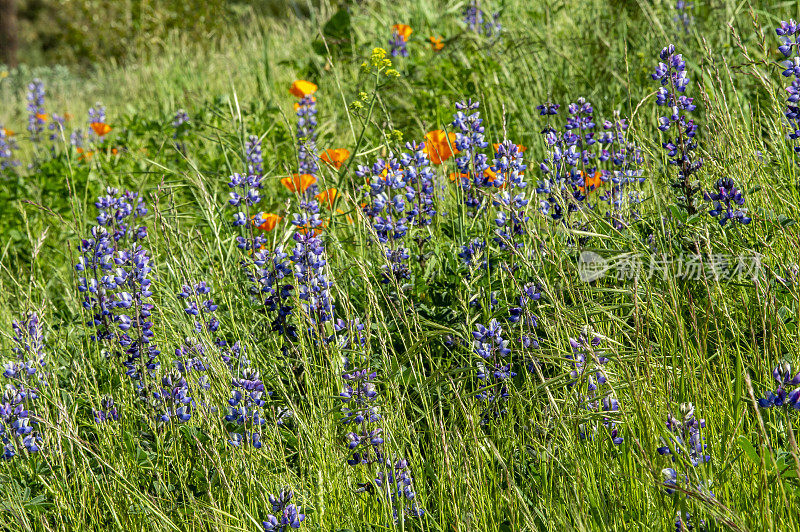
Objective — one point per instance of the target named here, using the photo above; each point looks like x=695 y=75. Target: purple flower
x=672 y=75
x=7 y=148
x=727 y=200
x=492 y=370
x=686 y=438
x=477 y=21
x=286 y=514
x=307 y=138
x=36 y=111
x=781 y=397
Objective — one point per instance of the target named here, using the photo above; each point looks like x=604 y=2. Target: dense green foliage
x=669 y=339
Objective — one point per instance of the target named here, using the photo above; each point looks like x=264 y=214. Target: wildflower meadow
x=423 y=265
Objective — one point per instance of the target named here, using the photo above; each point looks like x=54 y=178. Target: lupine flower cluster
x=56 y=127
x=181 y=117
x=359 y=393
x=477 y=21
x=686 y=438
x=306 y=110
x=511 y=217
x=683 y=17
x=309 y=259
x=399 y=196
x=107 y=411
x=97 y=266
x=727 y=202
x=248 y=399
x=395 y=480
x=789 y=32
x=626 y=158
x=780 y=396
x=7 y=147
x=398 y=42
x=589 y=380
x=366 y=441
x=273 y=279
x=36 y=112
x=493 y=370
x=115 y=208
x=184 y=388
x=246 y=192
x=580 y=161
x=474 y=255
x=97 y=281
x=472 y=166
x=286 y=513
x=671 y=484
x=132 y=279
x=180 y=123
x=684 y=523
x=23 y=377
x=200 y=306
x=671 y=74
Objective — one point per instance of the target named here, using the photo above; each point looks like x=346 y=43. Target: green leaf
x=749 y=451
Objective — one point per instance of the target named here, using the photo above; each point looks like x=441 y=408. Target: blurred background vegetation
x=84 y=32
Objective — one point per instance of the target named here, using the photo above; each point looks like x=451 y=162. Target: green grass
x=669 y=340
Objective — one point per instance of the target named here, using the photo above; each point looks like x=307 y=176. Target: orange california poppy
x=520 y=147
x=7 y=132
x=327 y=197
x=84 y=155
x=67 y=116
x=101 y=129
x=268 y=221
x=455 y=176
x=437 y=145
x=301 y=88
x=593 y=183
x=436 y=43
x=298 y=182
x=403 y=30
x=335 y=157
x=114 y=151
x=42 y=116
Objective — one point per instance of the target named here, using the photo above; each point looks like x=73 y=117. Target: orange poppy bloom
x=301 y=88
x=114 y=151
x=592 y=183
x=455 y=176
x=7 y=132
x=437 y=145
x=436 y=43
x=67 y=116
x=42 y=116
x=327 y=197
x=101 y=129
x=84 y=155
x=298 y=182
x=335 y=157
x=268 y=221
x=403 y=30
x=520 y=147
